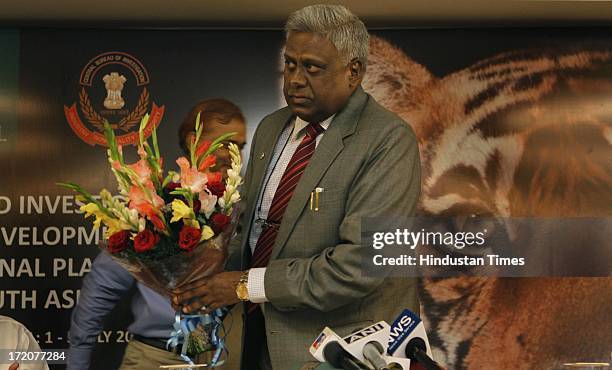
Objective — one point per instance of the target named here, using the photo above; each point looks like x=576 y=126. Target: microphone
x=408 y=340
x=373 y=353
x=339 y=358
x=370 y=344
x=415 y=350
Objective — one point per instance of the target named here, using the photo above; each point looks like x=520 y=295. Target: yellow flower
x=207 y=233
x=180 y=210
x=92 y=209
x=191 y=222
x=89 y=209
x=113 y=225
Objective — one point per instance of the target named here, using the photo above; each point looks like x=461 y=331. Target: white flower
x=133 y=216
x=122 y=190
x=231 y=174
x=208 y=202
x=141 y=224
x=231 y=194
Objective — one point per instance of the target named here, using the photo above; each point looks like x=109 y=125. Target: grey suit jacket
x=368 y=165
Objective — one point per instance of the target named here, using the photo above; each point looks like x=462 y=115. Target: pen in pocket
x=314 y=199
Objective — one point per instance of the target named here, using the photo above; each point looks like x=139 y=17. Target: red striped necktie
x=282 y=196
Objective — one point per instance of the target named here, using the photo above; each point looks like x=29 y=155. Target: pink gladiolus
x=157 y=222
x=149 y=184
x=144 y=208
x=142 y=169
x=142 y=152
x=116 y=165
x=139 y=202
x=158 y=201
x=191 y=178
x=136 y=195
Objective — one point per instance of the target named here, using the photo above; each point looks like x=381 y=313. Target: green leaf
x=112 y=142
x=216 y=144
x=155 y=146
x=143 y=124
x=168 y=178
x=87 y=195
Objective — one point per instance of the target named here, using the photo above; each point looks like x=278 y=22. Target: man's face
x=213 y=129
x=316 y=81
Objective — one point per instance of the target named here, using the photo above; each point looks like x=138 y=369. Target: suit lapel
x=343 y=125
x=266 y=142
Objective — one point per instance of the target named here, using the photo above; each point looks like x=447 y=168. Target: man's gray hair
x=336 y=23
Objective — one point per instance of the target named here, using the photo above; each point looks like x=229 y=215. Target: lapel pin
x=262 y=155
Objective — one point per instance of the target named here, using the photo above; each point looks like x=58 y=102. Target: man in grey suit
x=316 y=168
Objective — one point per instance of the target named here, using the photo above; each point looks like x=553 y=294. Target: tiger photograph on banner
x=521 y=133
x=169 y=230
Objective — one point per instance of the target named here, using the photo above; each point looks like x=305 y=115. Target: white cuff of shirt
x=255 y=285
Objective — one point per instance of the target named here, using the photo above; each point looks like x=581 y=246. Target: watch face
x=242 y=292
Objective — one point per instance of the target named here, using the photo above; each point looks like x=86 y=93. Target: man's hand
x=14 y=366
x=208 y=294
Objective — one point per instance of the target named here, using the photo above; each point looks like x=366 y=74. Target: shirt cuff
x=255 y=285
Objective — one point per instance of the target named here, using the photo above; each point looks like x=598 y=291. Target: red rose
x=119 y=241
x=145 y=240
x=219 y=222
x=214 y=184
x=189 y=237
x=171 y=186
x=196 y=206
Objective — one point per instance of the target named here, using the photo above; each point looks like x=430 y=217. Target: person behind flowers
x=219 y=116
x=316 y=168
x=107 y=282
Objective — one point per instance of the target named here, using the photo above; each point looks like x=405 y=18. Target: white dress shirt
x=15 y=337
x=288 y=142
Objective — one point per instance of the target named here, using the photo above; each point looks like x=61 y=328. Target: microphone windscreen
x=413 y=345
x=333 y=353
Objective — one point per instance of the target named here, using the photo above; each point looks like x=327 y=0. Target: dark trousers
x=255 y=351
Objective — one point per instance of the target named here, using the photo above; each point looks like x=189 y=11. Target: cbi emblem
x=112 y=87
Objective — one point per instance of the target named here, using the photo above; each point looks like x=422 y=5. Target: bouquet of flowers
x=170 y=229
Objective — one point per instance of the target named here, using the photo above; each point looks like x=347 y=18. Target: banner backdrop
x=511 y=123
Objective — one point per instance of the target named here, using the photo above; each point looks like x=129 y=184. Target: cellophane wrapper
x=163 y=276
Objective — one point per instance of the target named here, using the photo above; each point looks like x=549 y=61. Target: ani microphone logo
x=112 y=87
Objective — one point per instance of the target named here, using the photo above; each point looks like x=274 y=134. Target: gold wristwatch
x=241 y=289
